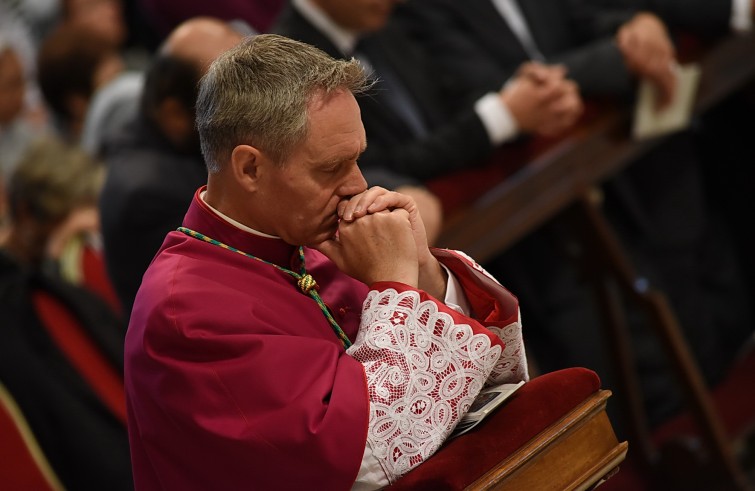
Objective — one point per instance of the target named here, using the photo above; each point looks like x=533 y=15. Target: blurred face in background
x=359 y=15
x=102 y=16
x=12 y=87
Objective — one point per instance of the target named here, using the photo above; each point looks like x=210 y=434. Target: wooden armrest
x=575 y=453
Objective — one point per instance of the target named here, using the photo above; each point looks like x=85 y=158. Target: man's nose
x=354 y=183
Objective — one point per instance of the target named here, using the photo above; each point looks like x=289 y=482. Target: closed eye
x=332 y=169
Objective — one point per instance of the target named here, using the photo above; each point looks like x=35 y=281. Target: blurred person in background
x=54 y=221
x=61 y=349
x=155 y=164
x=73 y=63
x=22 y=114
x=657 y=205
x=414 y=133
x=23 y=117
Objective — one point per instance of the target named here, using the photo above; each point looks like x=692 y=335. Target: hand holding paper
x=650 y=120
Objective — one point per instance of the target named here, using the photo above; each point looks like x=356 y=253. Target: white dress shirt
x=741 y=15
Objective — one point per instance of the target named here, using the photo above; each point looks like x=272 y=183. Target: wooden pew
x=495 y=207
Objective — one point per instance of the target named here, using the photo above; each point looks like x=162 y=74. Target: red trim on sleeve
x=477 y=327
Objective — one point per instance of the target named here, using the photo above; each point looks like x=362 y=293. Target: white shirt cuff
x=371 y=475
x=496 y=118
x=455 y=297
x=741 y=15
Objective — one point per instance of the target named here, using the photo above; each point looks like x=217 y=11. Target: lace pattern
x=423 y=372
x=512 y=365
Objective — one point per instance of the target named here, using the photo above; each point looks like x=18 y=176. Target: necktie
x=513 y=16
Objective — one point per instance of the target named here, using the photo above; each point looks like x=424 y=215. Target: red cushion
x=535 y=406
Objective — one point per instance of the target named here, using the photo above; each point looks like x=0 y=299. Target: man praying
x=297 y=331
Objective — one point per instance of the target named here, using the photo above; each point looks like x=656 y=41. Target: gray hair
x=53 y=179
x=258 y=93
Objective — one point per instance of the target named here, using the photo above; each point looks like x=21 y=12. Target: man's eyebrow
x=345 y=158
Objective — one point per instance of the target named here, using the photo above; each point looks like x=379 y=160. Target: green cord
x=306 y=283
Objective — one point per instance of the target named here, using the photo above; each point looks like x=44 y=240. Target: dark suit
x=699 y=16
x=84 y=441
x=475 y=50
x=148 y=189
x=451 y=142
x=657 y=205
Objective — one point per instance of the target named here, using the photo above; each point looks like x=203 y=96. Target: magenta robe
x=235 y=379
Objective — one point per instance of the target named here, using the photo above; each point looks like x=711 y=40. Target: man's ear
x=248 y=165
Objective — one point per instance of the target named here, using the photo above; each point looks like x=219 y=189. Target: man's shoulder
x=294 y=25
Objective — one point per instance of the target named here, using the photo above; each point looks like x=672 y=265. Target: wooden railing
x=553 y=174
x=531 y=182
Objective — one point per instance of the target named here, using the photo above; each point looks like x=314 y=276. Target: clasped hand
x=649 y=53
x=381 y=237
x=542 y=100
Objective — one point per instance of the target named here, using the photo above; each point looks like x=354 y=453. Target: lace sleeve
x=424 y=367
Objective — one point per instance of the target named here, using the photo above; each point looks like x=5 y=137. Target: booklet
x=485 y=403
x=649 y=121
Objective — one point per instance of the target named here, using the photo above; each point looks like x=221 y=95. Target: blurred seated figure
x=417 y=130
x=37 y=17
x=154 y=162
x=22 y=114
x=698 y=16
x=108 y=18
x=52 y=198
x=61 y=349
x=657 y=206
x=73 y=63
x=105 y=17
x=111 y=109
x=114 y=103
x=723 y=134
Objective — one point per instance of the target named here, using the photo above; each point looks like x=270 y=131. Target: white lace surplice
x=423 y=371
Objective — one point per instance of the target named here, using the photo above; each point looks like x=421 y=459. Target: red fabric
x=535 y=406
x=499 y=310
x=81 y=352
x=165 y=15
x=234 y=378
x=18 y=469
x=97 y=280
